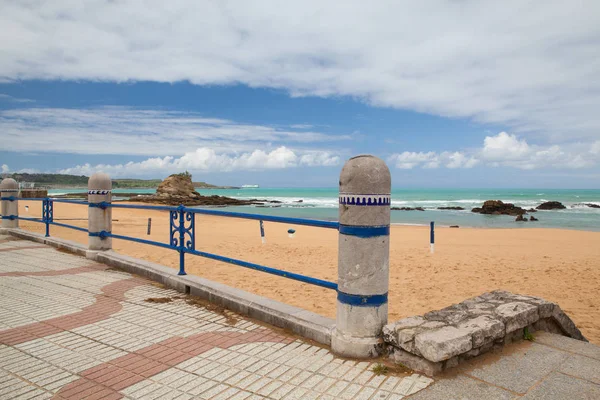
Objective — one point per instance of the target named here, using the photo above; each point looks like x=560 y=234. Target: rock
x=299 y=201
x=450 y=208
x=591 y=205
x=178 y=185
x=497 y=207
x=444 y=343
x=517 y=315
x=531 y=210
x=407 y=209
x=521 y=218
x=532 y=218
x=551 y=205
x=178 y=189
x=484 y=329
x=454 y=226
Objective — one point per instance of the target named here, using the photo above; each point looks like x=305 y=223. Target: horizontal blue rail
x=286 y=220
x=182 y=232
x=77 y=228
x=273 y=271
x=137 y=240
x=231 y=214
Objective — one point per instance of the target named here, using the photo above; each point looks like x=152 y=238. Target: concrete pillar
x=363 y=257
x=99 y=219
x=9 y=188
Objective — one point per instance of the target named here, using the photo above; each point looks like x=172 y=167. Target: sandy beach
x=559 y=265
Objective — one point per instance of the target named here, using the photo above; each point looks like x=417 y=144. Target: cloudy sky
x=450 y=93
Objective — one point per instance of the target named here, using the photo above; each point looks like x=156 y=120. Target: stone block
x=517 y=315
x=416 y=363
x=391 y=332
x=566 y=324
x=484 y=329
x=443 y=343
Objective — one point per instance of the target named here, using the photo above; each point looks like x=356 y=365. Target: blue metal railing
x=182 y=232
x=47 y=212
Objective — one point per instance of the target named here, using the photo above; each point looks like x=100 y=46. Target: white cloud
x=504 y=150
x=504 y=147
x=6 y=97
x=134 y=131
x=430 y=160
x=531 y=66
x=205 y=159
x=5 y=168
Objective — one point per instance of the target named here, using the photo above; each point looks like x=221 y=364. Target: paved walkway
x=74 y=329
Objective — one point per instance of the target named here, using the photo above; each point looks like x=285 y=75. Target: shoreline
x=560 y=265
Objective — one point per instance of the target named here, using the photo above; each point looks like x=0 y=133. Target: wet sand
x=559 y=265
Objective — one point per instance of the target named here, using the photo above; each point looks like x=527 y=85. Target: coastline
x=557 y=264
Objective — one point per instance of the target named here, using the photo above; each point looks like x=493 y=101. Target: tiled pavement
x=74 y=329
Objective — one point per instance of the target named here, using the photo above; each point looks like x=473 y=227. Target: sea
x=322 y=203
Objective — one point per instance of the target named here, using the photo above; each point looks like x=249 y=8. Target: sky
x=452 y=93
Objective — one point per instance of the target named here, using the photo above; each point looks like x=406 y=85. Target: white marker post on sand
x=262 y=232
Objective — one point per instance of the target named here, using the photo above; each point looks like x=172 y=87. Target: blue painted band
x=375 y=300
x=10 y=217
x=9 y=198
x=103 y=205
x=101 y=234
x=365 y=231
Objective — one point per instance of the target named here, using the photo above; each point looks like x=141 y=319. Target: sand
x=558 y=265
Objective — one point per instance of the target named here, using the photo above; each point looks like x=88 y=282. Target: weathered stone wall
x=441 y=339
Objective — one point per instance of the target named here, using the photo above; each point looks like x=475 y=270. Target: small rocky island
x=497 y=207
x=178 y=189
x=551 y=205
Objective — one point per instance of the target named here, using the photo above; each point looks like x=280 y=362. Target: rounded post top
x=9 y=183
x=100 y=181
x=365 y=174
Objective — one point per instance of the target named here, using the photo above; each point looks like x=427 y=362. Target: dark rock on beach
x=451 y=208
x=531 y=210
x=407 y=209
x=551 y=205
x=521 y=218
x=497 y=207
x=591 y=205
x=532 y=218
x=454 y=226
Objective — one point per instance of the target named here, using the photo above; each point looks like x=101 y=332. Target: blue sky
x=456 y=95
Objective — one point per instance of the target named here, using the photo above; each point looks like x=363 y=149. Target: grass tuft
x=380 y=369
x=527 y=335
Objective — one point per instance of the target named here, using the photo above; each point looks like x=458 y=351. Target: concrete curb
x=302 y=322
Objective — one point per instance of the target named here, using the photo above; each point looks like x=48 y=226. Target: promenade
x=71 y=328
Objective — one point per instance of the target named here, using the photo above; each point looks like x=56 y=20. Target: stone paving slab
x=72 y=329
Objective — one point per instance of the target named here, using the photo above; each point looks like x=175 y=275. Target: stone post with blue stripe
x=9 y=192
x=99 y=216
x=363 y=257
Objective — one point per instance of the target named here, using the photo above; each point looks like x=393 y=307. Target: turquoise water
x=322 y=203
